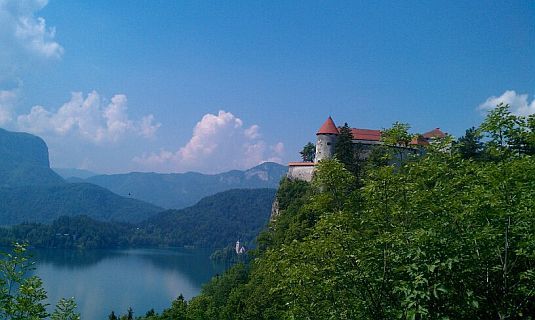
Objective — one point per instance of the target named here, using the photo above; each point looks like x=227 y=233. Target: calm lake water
x=106 y=280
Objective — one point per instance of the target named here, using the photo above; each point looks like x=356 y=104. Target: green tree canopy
x=308 y=153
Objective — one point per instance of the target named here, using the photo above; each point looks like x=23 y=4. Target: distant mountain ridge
x=180 y=190
x=32 y=192
x=67 y=173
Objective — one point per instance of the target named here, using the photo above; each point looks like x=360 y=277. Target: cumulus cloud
x=21 y=28
x=519 y=103
x=219 y=142
x=7 y=101
x=88 y=118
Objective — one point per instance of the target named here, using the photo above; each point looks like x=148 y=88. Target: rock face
x=24 y=161
x=274 y=210
x=30 y=191
x=20 y=147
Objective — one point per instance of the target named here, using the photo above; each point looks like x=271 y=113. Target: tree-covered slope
x=32 y=192
x=446 y=235
x=215 y=221
x=180 y=190
x=24 y=160
x=46 y=203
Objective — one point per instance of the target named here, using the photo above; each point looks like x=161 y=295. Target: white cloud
x=88 y=119
x=21 y=29
x=219 y=142
x=7 y=101
x=518 y=102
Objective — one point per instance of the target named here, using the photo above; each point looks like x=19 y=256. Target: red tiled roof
x=435 y=133
x=328 y=127
x=366 y=134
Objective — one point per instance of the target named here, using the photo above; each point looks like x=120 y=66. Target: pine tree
x=343 y=149
x=309 y=152
x=470 y=146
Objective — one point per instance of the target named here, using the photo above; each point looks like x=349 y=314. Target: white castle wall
x=325 y=146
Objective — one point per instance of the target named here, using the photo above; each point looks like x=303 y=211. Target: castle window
x=328 y=143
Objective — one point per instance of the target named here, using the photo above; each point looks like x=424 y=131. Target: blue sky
x=174 y=86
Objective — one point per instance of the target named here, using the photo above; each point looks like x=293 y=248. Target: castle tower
x=326 y=139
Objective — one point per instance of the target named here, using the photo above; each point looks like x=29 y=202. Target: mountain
x=46 y=203
x=67 y=173
x=215 y=221
x=24 y=161
x=180 y=190
x=32 y=192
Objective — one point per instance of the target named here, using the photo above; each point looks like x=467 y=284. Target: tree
x=470 y=146
x=309 y=152
x=397 y=138
x=66 y=310
x=112 y=316
x=21 y=297
x=397 y=135
x=506 y=133
x=343 y=149
x=177 y=311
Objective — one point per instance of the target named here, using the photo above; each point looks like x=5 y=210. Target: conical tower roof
x=328 y=127
x=435 y=133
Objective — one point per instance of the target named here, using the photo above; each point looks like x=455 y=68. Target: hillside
x=446 y=235
x=46 y=203
x=215 y=222
x=180 y=190
x=32 y=192
x=24 y=161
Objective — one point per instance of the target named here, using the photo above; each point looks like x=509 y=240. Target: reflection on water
x=105 y=280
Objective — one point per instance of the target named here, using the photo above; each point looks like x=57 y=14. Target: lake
x=106 y=280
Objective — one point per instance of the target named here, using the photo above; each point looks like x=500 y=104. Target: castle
x=364 y=139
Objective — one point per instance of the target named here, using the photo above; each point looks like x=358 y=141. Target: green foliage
x=22 y=296
x=397 y=135
x=343 y=149
x=215 y=222
x=308 y=153
x=506 y=133
x=65 y=310
x=46 y=203
x=333 y=185
x=112 y=316
x=470 y=146
x=443 y=236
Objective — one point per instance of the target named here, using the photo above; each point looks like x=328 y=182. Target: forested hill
x=180 y=190
x=24 y=160
x=32 y=192
x=445 y=235
x=215 y=222
x=46 y=203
